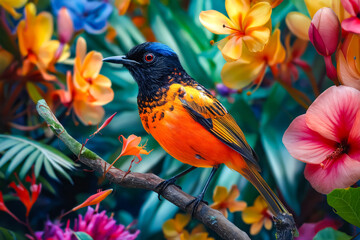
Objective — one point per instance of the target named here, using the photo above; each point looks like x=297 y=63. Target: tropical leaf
x=82 y=236
x=7 y=234
x=22 y=153
x=331 y=234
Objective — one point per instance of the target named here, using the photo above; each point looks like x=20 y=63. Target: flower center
x=237 y=30
x=342 y=148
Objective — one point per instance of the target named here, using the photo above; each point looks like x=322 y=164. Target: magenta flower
x=309 y=230
x=327 y=138
x=98 y=225
x=351 y=24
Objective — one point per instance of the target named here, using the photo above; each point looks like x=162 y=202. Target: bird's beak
x=120 y=60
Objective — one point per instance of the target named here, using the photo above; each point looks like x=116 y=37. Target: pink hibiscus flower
x=327 y=138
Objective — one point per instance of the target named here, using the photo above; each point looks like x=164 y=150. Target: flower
x=309 y=230
x=351 y=24
x=86 y=14
x=2 y=204
x=26 y=197
x=65 y=25
x=87 y=78
x=257 y=215
x=327 y=138
x=247 y=25
x=224 y=200
x=94 y=199
x=288 y=69
x=34 y=33
x=273 y=3
x=324 y=31
x=97 y=225
x=10 y=5
x=73 y=98
x=299 y=23
x=252 y=66
x=174 y=229
x=348 y=66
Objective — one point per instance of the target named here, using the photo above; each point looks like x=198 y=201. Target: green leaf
x=7 y=234
x=26 y=153
x=82 y=236
x=346 y=203
x=331 y=234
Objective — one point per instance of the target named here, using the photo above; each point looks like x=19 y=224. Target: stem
x=297 y=95
x=312 y=80
x=331 y=70
x=27 y=224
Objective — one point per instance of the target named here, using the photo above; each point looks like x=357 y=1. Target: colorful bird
x=190 y=123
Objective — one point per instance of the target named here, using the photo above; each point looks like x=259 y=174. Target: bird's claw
x=196 y=202
x=163 y=185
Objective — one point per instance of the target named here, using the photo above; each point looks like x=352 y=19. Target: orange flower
x=174 y=229
x=257 y=215
x=10 y=5
x=224 y=200
x=348 y=66
x=73 y=98
x=247 y=25
x=93 y=199
x=34 y=33
x=250 y=69
x=87 y=79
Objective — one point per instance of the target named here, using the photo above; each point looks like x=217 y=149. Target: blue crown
x=160 y=48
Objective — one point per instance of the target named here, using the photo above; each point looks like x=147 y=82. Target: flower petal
x=268 y=223
x=258 y=15
x=80 y=50
x=169 y=229
x=181 y=220
x=314 y=6
x=348 y=7
x=333 y=113
x=251 y=215
x=298 y=24
x=103 y=81
x=87 y=113
x=220 y=194
x=346 y=75
x=237 y=10
x=256 y=38
x=342 y=173
x=256 y=227
x=306 y=145
x=351 y=25
x=43 y=30
x=214 y=21
x=237 y=75
x=234 y=192
x=233 y=48
x=274 y=50
x=103 y=95
x=237 y=206
x=354 y=139
x=92 y=65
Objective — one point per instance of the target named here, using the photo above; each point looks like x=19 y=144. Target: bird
x=190 y=123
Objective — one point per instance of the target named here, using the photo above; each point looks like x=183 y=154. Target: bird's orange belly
x=188 y=141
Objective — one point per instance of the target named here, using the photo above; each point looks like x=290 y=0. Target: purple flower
x=89 y=15
x=98 y=225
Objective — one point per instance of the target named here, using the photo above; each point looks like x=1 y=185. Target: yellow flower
x=273 y=3
x=258 y=216
x=252 y=66
x=299 y=23
x=348 y=65
x=247 y=25
x=174 y=229
x=10 y=5
x=34 y=33
x=87 y=78
x=224 y=200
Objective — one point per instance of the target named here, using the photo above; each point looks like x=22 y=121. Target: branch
x=213 y=219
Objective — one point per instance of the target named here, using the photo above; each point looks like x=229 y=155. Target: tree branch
x=213 y=219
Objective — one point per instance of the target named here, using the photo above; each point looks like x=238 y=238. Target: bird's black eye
x=149 y=57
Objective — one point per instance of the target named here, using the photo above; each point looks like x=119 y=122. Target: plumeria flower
x=288 y=69
x=10 y=5
x=86 y=14
x=348 y=65
x=251 y=68
x=327 y=138
x=87 y=78
x=26 y=197
x=299 y=23
x=352 y=24
x=258 y=216
x=34 y=34
x=248 y=25
x=224 y=200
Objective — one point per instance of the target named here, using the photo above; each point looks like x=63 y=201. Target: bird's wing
x=210 y=113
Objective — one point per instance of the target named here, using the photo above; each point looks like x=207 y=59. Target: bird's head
x=149 y=63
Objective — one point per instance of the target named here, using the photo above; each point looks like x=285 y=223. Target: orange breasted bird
x=190 y=123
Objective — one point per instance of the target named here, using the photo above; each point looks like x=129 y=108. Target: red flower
x=26 y=197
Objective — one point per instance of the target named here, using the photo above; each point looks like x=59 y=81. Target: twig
x=213 y=219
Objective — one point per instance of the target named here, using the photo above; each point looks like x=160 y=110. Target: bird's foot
x=196 y=202
x=163 y=185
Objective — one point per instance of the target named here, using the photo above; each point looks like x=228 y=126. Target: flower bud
x=325 y=31
x=65 y=25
